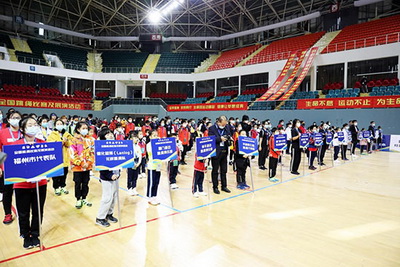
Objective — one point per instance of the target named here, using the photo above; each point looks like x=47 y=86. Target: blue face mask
x=60 y=127
x=45 y=124
x=84 y=132
x=32 y=131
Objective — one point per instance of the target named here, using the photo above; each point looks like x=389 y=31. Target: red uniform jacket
x=184 y=136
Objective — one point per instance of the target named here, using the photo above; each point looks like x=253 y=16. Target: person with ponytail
x=26 y=194
x=81 y=160
x=60 y=134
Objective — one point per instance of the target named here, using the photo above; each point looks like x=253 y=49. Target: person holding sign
x=336 y=145
x=82 y=158
x=345 y=141
x=198 y=177
x=312 y=148
x=296 y=152
x=109 y=184
x=174 y=164
x=274 y=155
x=241 y=163
x=59 y=134
x=153 y=173
x=25 y=193
x=7 y=137
x=184 y=137
x=363 y=140
x=220 y=162
x=133 y=173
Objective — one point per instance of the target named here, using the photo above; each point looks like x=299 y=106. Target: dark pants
x=81 y=180
x=7 y=191
x=198 y=178
x=288 y=147
x=321 y=153
x=185 y=150
x=173 y=172
x=219 y=164
x=26 y=200
x=262 y=157
x=241 y=165
x=142 y=166
x=132 y=177
x=336 y=150
x=311 y=156
x=59 y=181
x=353 y=146
x=362 y=148
x=295 y=159
x=153 y=179
x=272 y=165
x=343 y=150
x=231 y=154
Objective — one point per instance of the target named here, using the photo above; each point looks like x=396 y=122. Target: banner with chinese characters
x=280 y=142
x=354 y=102
x=304 y=140
x=27 y=103
x=25 y=162
x=278 y=81
x=113 y=154
x=164 y=149
x=206 y=147
x=248 y=146
x=208 y=107
x=289 y=81
x=318 y=139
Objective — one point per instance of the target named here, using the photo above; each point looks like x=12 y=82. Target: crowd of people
x=78 y=135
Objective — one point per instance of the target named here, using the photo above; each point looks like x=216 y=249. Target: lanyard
x=34 y=141
x=220 y=131
x=12 y=136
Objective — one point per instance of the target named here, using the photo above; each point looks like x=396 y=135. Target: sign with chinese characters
x=164 y=149
x=113 y=154
x=329 y=138
x=25 y=162
x=354 y=102
x=304 y=140
x=318 y=139
x=280 y=142
x=209 y=106
x=29 y=103
x=340 y=136
x=366 y=134
x=206 y=147
x=248 y=146
x=394 y=143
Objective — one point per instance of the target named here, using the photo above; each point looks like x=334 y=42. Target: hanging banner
x=29 y=103
x=280 y=78
x=208 y=106
x=304 y=140
x=303 y=74
x=291 y=77
x=206 y=147
x=329 y=138
x=113 y=154
x=248 y=146
x=340 y=136
x=25 y=162
x=164 y=149
x=353 y=102
x=280 y=142
x=318 y=139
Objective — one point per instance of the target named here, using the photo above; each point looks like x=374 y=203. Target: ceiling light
x=154 y=16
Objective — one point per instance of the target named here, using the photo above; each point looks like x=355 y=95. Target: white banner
x=395 y=143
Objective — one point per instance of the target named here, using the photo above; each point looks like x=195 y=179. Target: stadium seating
x=34 y=58
x=340 y=93
x=231 y=58
x=334 y=85
x=180 y=62
x=385 y=90
x=244 y=98
x=255 y=91
x=263 y=105
x=305 y=95
x=117 y=61
x=198 y=100
x=228 y=93
x=281 y=49
x=5 y=40
x=289 y=105
x=221 y=99
x=206 y=95
x=169 y=98
x=372 y=33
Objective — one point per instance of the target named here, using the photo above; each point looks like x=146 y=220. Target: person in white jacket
x=288 y=132
x=346 y=140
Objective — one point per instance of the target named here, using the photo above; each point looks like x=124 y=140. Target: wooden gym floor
x=346 y=215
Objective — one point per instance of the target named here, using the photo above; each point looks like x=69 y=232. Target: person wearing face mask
x=232 y=127
x=168 y=126
x=59 y=134
x=303 y=127
x=220 y=162
x=371 y=130
x=281 y=123
x=52 y=121
x=3 y=123
x=323 y=129
x=296 y=152
x=145 y=127
x=72 y=125
x=7 y=137
x=142 y=145
x=44 y=130
x=119 y=132
x=109 y=185
x=273 y=155
x=263 y=145
x=161 y=130
x=130 y=126
x=312 y=148
x=288 y=132
x=153 y=173
x=81 y=160
x=354 y=136
x=184 y=136
x=154 y=123
x=25 y=193
x=346 y=141
x=246 y=124
x=241 y=163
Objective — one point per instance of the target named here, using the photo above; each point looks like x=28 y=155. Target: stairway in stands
x=150 y=64
x=207 y=63
x=20 y=45
x=325 y=40
x=251 y=56
x=94 y=62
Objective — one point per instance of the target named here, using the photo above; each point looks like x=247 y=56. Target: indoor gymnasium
x=199 y=133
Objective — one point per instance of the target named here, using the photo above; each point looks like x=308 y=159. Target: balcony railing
x=134 y=101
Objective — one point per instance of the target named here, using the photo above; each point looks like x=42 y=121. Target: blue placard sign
x=280 y=142
x=329 y=138
x=113 y=154
x=318 y=139
x=26 y=162
x=304 y=140
x=164 y=149
x=340 y=136
x=366 y=134
x=206 y=147
x=248 y=146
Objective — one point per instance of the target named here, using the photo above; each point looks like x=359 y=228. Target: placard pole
x=332 y=150
x=251 y=176
x=119 y=206
x=280 y=160
x=304 y=161
x=39 y=216
x=169 y=186
x=209 y=169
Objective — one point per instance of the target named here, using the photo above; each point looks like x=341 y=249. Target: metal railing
x=365 y=42
x=121 y=69
x=134 y=101
x=174 y=70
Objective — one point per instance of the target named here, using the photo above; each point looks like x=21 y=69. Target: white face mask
x=84 y=132
x=60 y=128
x=373 y=125
x=14 y=122
x=347 y=127
x=32 y=130
x=355 y=124
x=1 y=117
x=110 y=137
x=298 y=124
x=162 y=124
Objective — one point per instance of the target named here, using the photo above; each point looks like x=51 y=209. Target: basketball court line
x=169 y=215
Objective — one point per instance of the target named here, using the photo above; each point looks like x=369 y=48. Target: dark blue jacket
x=215 y=130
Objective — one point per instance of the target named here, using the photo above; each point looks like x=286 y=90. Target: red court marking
x=84 y=238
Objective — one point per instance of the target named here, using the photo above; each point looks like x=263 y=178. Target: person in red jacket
x=130 y=126
x=198 y=177
x=273 y=155
x=184 y=136
x=25 y=193
x=145 y=127
x=161 y=130
x=7 y=137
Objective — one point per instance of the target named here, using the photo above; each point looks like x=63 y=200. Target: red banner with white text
x=24 y=103
x=208 y=106
x=354 y=102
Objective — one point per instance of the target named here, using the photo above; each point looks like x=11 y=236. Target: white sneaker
x=174 y=186
x=154 y=202
x=355 y=156
x=130 y=192
x=143 y=175
x=1 y=197
x=202 y=194
x=134 y=192
x=196 y=195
